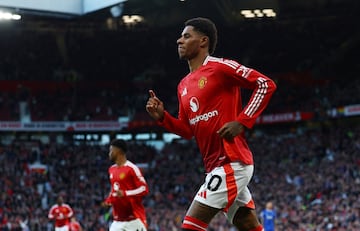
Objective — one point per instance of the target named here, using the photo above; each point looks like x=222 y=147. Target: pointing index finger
x=152 y=94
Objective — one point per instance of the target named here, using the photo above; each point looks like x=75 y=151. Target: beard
x=186 y=56
x=181 y=55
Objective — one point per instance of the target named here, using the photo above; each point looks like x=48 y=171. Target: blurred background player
x=75 y=225
x=128 y=187
x=61 y=214
x=268 y=217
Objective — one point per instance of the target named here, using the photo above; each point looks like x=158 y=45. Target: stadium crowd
x=311 y=175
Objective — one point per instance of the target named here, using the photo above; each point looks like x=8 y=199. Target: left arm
x=70 y=211
x=142 y=188
x=263 y=88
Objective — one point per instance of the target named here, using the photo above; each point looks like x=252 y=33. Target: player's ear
x=204 y=41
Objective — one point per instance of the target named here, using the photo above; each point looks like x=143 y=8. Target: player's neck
x=196 y=62
x=121 y=161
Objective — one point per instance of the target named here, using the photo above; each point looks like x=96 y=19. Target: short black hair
x=119 y=143
x=207 y=27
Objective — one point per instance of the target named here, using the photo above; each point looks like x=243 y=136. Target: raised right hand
x=155 y=107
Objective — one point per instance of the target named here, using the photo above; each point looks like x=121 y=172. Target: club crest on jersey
x=202 y=82
x=122 y=176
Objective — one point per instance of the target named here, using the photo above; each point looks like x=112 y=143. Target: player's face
x=112 y=153
x=60 y=200
x=189 y=43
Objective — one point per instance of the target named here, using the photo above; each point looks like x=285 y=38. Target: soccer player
x=268 y=217
x=75 y=225
x=128 y=187
x=210 y=109
x=61 y=213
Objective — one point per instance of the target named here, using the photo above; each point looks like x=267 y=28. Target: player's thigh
x=223 y=185
x=117 y=226
x=62 y=228
x=201 y=211
x=135 y=225
x=245 y=218
x=127 y=225
x=216 y=195
x=242 y=176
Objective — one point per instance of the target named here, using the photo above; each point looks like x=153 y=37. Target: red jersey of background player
x=74 y=225
x=129 y=179
x=202 y=118
x=61 y=213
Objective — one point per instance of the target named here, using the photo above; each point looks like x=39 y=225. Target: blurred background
x=75 y=74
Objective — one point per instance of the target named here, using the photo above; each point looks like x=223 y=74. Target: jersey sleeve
x=51 y=213
x=142 y=188
x=109 y=198
x=262 y=90
x=180 y=125
x=70 y=211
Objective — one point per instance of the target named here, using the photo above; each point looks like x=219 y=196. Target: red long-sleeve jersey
x=129 y=179
x=61 y=214
x=75 y=226
x=210 y=97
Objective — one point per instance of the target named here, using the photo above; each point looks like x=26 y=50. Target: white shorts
x=133 y=225
x=226 y=188
x=62 y=228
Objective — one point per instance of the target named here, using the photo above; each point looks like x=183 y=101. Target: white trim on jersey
x=230 y=63
x=139 y=176
x=136 y=170
x=258 y=98
x=135 y=191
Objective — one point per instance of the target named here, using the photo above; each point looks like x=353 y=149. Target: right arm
x=51 y=213
x=179 y=126
x=108 y=200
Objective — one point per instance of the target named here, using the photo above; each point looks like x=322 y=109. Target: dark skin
x=194 y=47
x=117 y=156
x=60 y=200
